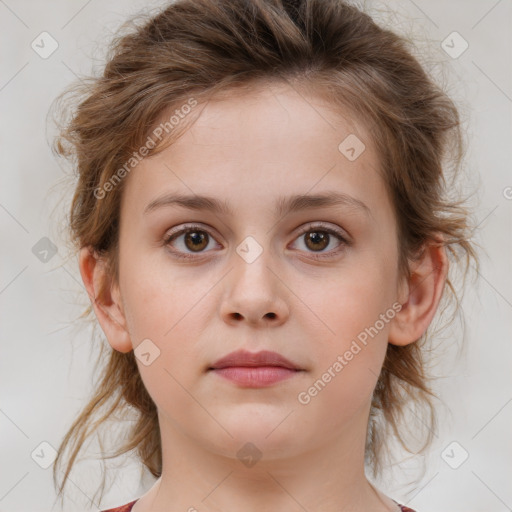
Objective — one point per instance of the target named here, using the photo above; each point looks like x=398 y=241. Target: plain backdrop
x=45 y=364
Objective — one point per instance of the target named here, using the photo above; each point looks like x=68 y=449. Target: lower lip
x=256 y=376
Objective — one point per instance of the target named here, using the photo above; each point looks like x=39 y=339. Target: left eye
x=196 y=239
x=318 y=238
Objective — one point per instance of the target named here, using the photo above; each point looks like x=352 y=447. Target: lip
x=255 y=377
x=252 y=359
x=255 y=370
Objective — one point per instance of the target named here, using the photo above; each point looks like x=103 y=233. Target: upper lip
x=246 y=358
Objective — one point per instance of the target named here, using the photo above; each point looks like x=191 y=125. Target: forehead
x=274 y=138
x=270 y=112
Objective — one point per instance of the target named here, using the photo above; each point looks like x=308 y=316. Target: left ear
x=420 y=294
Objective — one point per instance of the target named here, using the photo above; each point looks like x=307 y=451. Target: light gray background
x=45 y=364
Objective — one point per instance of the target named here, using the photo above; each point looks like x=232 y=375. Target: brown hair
x=197 y=48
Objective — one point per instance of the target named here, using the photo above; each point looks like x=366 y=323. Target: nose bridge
x=253 y=264
x=253 y=287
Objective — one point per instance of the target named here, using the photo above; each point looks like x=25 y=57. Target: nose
x=254 y=293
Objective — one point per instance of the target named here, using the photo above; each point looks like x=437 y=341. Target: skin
x=248 y=149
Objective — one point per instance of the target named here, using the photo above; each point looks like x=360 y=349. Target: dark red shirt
x=128 y=507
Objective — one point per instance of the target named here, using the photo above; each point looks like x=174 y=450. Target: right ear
x=105 y=298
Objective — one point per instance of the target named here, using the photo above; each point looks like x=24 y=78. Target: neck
x=329 y=477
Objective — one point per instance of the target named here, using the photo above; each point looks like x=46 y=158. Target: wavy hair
x=198 y=48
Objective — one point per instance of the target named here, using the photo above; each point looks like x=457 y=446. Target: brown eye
x=191 y=239
x=196 y=240
x=317 y=240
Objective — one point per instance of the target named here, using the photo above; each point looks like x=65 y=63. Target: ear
x=105 y=298
x=420 y=294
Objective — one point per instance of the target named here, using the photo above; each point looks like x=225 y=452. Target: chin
x=271 y=436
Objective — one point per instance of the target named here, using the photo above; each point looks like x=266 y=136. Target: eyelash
x=310 y=227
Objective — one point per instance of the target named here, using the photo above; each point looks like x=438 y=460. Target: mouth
x=256 y=376
x=254 y=359
x=255 y=370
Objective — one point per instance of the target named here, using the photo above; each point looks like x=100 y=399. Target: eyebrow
x=283 y=205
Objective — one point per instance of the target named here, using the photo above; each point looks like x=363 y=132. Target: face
x=315 y=283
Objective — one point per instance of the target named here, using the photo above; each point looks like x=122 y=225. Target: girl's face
x=315 y=283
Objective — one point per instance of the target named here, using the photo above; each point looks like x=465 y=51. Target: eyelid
x=310 y=226
x=182 y=228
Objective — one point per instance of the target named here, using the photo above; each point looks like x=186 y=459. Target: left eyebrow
x=283 y=205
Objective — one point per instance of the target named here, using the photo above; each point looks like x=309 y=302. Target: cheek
x=351 y=343
x=162 y=308
x=157 y=298
x=352 y=317
x=169 y=307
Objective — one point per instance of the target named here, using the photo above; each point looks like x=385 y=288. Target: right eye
x=195 y=239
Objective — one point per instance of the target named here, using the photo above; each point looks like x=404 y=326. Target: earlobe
x=105 y=298
x=422 y=293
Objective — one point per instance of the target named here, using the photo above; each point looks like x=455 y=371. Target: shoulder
x=403 y=508
x=123 y=508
